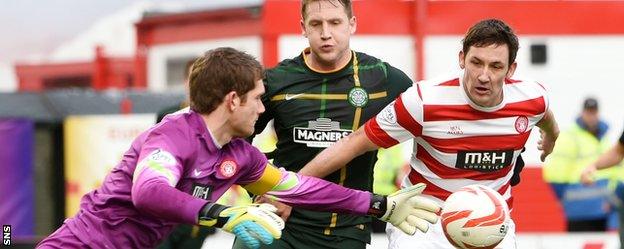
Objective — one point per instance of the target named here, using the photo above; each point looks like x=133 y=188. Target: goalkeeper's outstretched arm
x=405 y=209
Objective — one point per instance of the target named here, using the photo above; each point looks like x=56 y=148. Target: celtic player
x=317 y=98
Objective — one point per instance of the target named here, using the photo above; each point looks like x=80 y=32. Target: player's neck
x=317 y=64
x=218 y=126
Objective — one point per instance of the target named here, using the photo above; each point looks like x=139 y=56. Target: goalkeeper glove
x=253 y=223
x=406 y=209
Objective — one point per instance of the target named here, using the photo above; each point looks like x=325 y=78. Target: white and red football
x=475 y=217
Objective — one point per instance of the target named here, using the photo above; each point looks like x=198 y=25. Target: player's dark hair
x=345 y=3
x=491 y=31
x=218 y=72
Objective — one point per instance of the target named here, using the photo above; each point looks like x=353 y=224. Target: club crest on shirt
x=320 y=133
x=388 y=114
x=228 y=168
x=358 y=97
x=522 y=124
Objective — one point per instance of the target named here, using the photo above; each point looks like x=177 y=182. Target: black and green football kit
x=312 y=110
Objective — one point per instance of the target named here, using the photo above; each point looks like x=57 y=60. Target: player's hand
x=283 y=210
x=587 y=175
x=546 y=144
x=254 y=224
x=407 y=210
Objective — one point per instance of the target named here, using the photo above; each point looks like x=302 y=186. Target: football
x=475 y=216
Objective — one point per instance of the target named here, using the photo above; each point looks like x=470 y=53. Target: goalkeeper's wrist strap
x=378 y=205
x=209 y=215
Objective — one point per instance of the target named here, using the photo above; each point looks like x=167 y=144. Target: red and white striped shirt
x=456 y=142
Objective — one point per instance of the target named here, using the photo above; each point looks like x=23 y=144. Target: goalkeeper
x=174 y=171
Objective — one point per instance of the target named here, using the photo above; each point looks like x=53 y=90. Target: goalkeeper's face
x=328 y=29
x=245 y=115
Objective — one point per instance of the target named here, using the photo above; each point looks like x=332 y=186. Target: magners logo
x=321 y=133
x=484 y=161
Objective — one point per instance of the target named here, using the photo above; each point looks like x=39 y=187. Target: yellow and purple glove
x=254 y=224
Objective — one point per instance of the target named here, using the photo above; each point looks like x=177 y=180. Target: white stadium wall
x=158 y=55
x=576 y=67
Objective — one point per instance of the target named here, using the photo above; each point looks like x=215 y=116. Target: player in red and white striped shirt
x=467 y=129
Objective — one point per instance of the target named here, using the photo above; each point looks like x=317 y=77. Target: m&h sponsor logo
x=484 y=161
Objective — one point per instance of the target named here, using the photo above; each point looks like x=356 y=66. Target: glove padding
x=408 y=210
x=253 y=224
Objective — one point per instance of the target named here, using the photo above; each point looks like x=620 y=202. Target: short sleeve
x=396 y=122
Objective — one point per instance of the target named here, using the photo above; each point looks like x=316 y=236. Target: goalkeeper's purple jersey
x=181 y=153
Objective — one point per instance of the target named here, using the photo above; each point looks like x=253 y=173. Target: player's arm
x=405 y=209
x=157 y=172
x=339 y=154
x=153 y=192
x=609 y=159
x=549 y=130
x=385 y=130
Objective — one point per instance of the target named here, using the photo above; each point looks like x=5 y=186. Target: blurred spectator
x=388 y=172
x=587 y=208
x=609 y=159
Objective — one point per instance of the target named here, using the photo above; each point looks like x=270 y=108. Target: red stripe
x=447 y=218
x=511 y=81
x=531 y=107
x=453 y=82
x=502 y=142
x=418 y=89
x=431 y=188
x=378 y=135
x=497 y=217
x=446 y=172
x=405 y=119
x=502 y=191
x=442 y=194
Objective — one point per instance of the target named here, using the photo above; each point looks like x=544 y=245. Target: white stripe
x=472 y=128
x=442 y=95
x=391 y=126
x=522 y=91
x=447 y=159
x=413 y=104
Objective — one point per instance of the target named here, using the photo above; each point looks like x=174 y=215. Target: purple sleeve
x=320 y=195
x=256 y=164
x=158 y=170
x=154 y=196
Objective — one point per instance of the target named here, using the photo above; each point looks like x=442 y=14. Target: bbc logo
x=6 y=235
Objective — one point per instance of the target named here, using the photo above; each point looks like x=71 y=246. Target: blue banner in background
x=16 y=176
